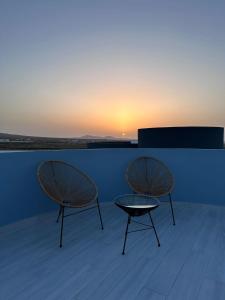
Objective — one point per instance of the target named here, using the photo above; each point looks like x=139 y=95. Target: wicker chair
x=150 y=176
x=68 y=187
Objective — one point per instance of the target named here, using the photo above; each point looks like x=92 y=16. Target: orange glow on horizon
x=116 y=111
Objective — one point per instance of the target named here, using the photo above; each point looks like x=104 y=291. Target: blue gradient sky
x=69 y=68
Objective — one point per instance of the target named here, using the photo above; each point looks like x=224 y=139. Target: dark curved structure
x=111 y=144
x=181 y=137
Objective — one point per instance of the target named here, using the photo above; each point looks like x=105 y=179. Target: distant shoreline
x=14 y=142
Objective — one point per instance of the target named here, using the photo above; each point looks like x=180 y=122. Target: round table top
x=136 y=203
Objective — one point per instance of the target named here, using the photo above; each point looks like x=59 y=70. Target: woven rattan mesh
x=150 y=176
x=66 y=184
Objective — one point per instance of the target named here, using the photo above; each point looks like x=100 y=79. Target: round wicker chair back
x=148 y=175
x=66 y=185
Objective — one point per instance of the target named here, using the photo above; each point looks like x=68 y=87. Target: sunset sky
x=69 y=68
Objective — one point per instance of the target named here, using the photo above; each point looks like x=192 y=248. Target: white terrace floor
x=189 y=265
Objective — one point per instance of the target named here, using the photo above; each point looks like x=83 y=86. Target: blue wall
x=199 y=176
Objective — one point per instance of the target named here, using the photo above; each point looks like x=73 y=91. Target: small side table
x=136 y=205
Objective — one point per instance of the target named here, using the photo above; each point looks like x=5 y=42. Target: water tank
x=181 y=137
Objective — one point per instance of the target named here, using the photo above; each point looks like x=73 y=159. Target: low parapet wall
x=199 y=176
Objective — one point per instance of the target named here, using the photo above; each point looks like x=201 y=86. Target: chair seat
x=69 y=187
x=150 y=176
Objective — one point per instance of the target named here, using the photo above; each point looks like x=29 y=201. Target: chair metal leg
x=126 y=232
x=61 y=232
x=100 y=216
x=60 y=211
x=171 y=205
x=157 y=238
